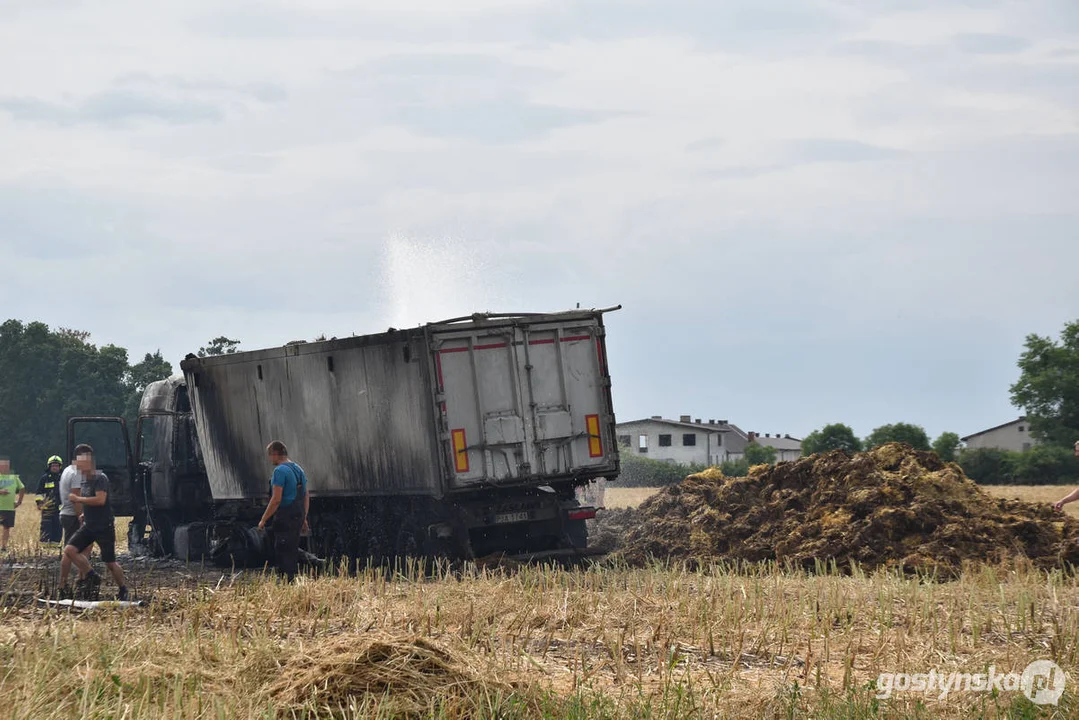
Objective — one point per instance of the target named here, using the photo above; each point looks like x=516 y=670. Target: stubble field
x=529 y=641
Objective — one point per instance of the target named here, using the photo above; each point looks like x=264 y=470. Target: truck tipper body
x=463 y=437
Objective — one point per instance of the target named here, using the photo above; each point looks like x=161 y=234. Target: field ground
x=616 y=497
x=530 y=641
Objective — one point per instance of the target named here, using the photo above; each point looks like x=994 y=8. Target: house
x=787 y=447
x=692 y=441
x=1014 y=435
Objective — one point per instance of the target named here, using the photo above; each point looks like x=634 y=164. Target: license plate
x=510 y=517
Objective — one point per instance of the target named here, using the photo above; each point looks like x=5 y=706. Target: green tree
x=219 y=346
x=757 y=454
x=946 y=446
x=1044 y=465
x=735 y=468
x=640 y=471
x=1048 y=386
x=47 y=376
x=987 y=466
x=913 y=435
x=836 y=436
x=153 y=367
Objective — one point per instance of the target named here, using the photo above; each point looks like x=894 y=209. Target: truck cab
x=160 y=480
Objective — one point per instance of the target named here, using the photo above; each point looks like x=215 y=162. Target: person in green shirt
x=10 y=487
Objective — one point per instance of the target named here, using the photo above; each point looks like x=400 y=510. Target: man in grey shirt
x=70 y=482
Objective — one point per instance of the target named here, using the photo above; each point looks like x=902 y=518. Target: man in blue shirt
x=289 y=502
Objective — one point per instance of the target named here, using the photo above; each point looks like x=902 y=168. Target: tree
x=757 y=454
x=219 y=346
x=913 y=435
x=735 y=468
x=1048 y=386
x=1044 y=465
x=836 y=436
x=986 y=466
x=946 y=446
x=47 y=376
x=640 y=471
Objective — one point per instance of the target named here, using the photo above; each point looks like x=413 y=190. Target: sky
x=811 y=211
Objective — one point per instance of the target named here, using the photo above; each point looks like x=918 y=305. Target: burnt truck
x=460 y=438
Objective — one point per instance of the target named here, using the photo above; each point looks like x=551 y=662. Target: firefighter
x=48 y=501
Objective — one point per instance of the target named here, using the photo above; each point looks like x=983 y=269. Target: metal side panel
x=357 y=417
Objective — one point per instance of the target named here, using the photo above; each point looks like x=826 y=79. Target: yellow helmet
x=55 y=459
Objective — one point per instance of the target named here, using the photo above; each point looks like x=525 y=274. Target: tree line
x=1047 y=392
x=48 y=375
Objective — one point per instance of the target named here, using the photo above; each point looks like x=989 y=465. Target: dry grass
x=606 y=642
x=1047 y=494
x=618 y=498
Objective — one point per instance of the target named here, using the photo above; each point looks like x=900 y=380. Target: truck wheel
x=412 y=540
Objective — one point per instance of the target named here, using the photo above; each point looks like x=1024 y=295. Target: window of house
x=625 y=440
x=1020 y=428
x=642 y=443
x=664 y=440
x=689 y=439
x=719 y=439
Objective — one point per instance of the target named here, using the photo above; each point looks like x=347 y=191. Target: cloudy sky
x=812 y=210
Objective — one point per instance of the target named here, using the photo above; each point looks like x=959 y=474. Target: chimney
x=657 y=417
x=684 y=418
x=767 y=434
x=751 y=436
x=724 y=422
x=698 y=421
x=711 y=422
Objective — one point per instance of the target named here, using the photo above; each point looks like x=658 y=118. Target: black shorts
x=7 y=518
x=104 y=537
x=70 y=524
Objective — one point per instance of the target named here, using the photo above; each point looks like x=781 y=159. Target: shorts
x=70 y=524
x=104 y=537
x=7 y=518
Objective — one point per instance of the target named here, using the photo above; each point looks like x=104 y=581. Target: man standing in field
x=98 y=527
x=1074 y=494
x=10 y=487
x=288 y=507
x=70 y=483
x=48 y=501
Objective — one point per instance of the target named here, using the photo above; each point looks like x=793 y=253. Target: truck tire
x=412 y=540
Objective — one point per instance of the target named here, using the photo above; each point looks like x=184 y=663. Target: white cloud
x=801 y=176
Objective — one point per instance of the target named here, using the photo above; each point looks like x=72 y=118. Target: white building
x=692 y=441
x=1014 y=435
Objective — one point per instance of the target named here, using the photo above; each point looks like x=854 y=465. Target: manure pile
x=890 y=507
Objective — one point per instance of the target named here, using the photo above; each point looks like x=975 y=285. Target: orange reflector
x=460 y=453
x=595 y=440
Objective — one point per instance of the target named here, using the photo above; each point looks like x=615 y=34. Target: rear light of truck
x=595 y=440
x=582 y=514
x=460 y=451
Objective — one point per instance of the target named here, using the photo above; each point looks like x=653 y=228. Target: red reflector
x=582 y=514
